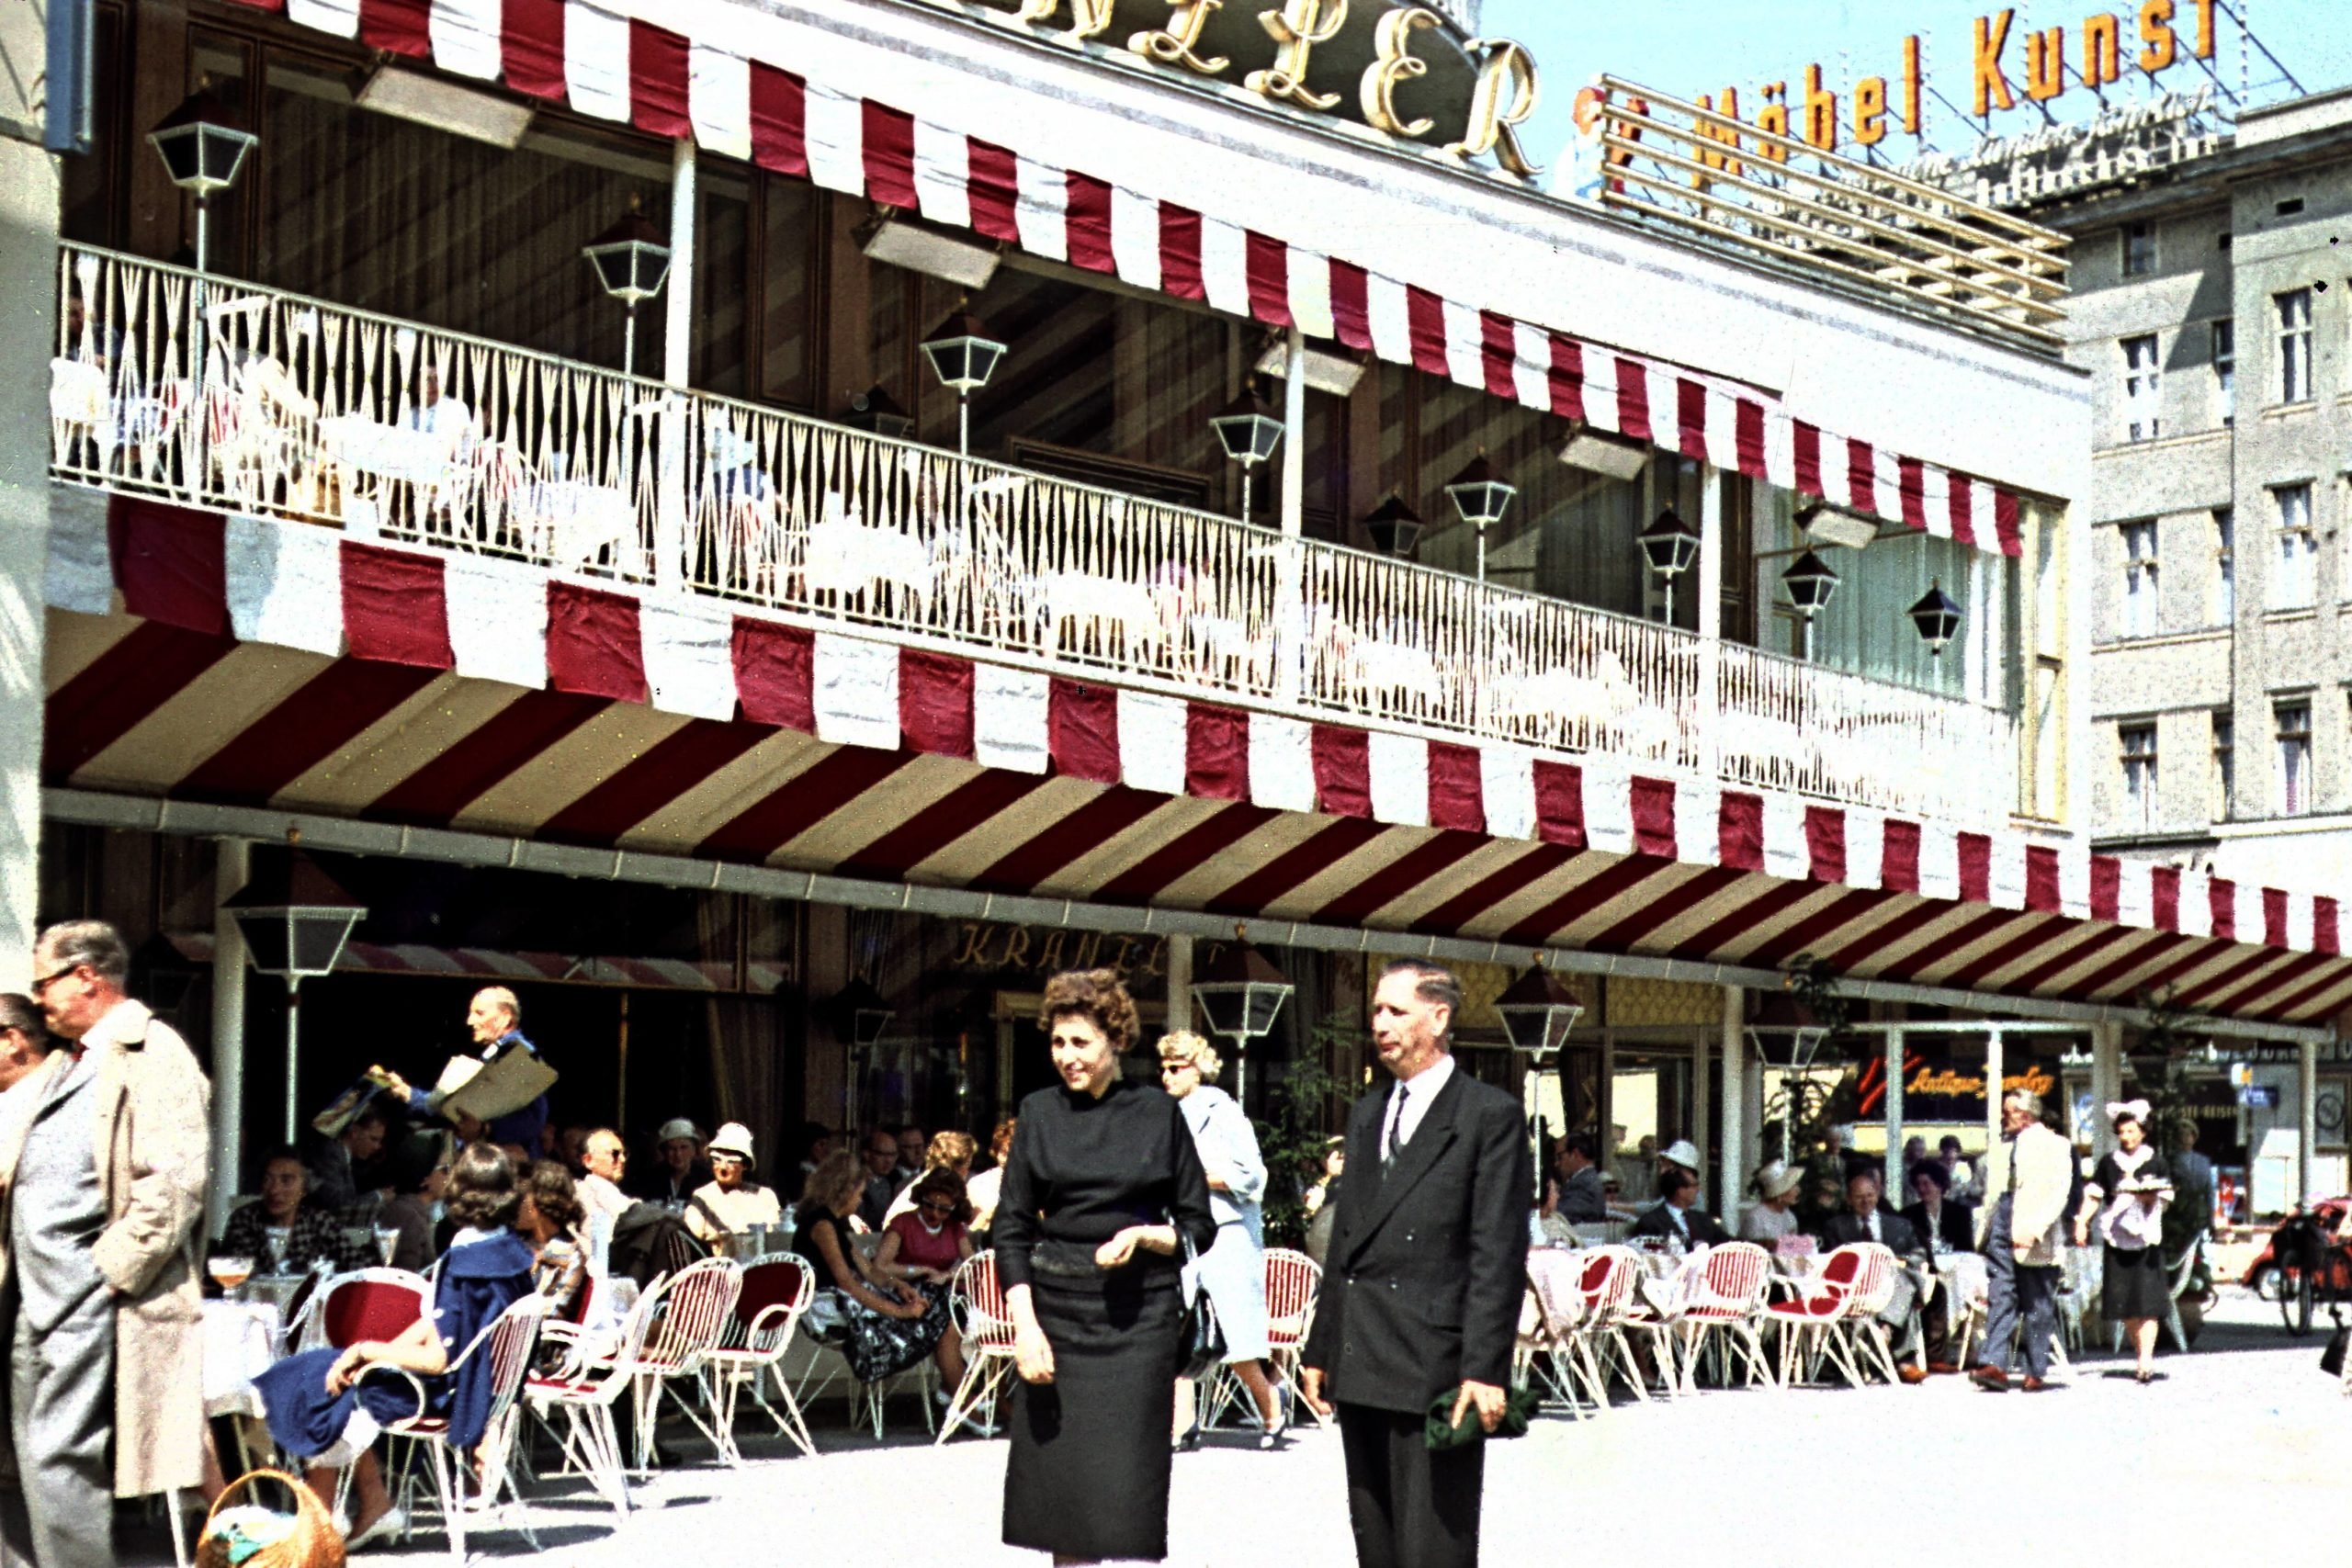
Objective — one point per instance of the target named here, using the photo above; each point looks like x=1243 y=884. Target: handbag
x=1440 y=1433
x=2330 y=1361
x=1200 y=1338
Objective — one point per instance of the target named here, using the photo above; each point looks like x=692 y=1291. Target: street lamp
x=632 y=263
x=1240 y=992
x=1810 y=584
x=1394 y=526
x=1248 y=434
x=1670 y=545
x=1537 y=1009
x=295 y=920
x=203 y=144
x=1480 y=499
x=1937 y=617
x=962 y=356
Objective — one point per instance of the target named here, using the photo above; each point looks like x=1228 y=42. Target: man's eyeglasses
x=46 y=981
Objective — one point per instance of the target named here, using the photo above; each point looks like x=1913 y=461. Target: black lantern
x=1810 y=584
x=203 y=144
x=963 y=356
x=860 y=1014
x=1394 y=526
x=1480 y=499
x=1937 y=617
x=1538 y=1009
x=1250 y=435
x=1239 y=994
x=631 y=263
x=878 y=411
x=295 y=920
x=1670 y=545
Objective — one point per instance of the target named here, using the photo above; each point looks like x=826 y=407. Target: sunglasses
x=934 y=1207
x=46 y=981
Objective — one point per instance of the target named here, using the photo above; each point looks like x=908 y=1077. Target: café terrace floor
x=2241 y=1451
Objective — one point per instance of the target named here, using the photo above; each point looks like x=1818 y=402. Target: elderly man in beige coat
x=2029 y=1175
x=101 y=1196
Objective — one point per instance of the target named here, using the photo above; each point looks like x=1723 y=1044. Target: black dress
x=1087 y=1472
x=2134 y=1283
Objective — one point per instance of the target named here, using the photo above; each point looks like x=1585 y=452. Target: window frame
x=2138 y=253
x=2222 y=347
x=2224 y=740
x=2225 y=572
x=2287 y=533
x=2142 y=386
x=2142 y=578
x=2292 y=748
x=2136 y=751
x=2294 y=309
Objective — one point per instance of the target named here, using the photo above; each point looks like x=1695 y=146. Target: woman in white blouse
x=1772 y=1217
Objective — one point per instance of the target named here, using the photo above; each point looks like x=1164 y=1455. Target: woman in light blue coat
x=1233 y=1270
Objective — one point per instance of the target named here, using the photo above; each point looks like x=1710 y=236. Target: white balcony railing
x=383 y=427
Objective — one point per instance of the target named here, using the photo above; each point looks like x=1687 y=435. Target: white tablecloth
x=241 y=1339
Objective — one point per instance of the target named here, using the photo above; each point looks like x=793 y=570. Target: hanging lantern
x=1478 y=496
x=1937 y=617
x=1538 y=1009
x=1670 y=544
x=631 y=258
x=1394 y=526
x=962 y=353
x=1810 y=584
x=1247 y=431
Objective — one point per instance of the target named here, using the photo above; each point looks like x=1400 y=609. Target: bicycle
x=2312 y=1267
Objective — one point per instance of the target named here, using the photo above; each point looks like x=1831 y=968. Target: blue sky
x=1686 y=47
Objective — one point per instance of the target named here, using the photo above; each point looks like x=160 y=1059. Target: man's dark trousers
x=1409 y=1507
x=2017 y=1292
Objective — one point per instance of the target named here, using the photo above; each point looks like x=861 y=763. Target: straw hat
x=1681 y=1152
x=1776 y=1180
x=734 y=1138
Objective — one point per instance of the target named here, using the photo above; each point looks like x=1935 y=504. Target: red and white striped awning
x=497 y=963
x=246 y=662
x=620 y=68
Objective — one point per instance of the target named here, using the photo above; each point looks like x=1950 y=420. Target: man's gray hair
x=500 y=997
x=1433 y=983
x=2026 y=1101
x=73 y=943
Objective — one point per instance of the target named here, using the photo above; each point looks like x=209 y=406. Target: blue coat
x=479 y=1280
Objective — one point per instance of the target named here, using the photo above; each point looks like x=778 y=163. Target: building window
x=2294 y=345
x=2298 y=551
x=2225 y=772
x=2139 y=249
x=2139 y=742
x=2225 y=567
x=2294 y=756
x=2139 y=387
x=2139 y=578
x=2225 y=369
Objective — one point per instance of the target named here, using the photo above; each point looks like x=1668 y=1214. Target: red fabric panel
x=779 y=118
x=1265 y=263
x=2164 y=897
x=1747 y=436
x=1824 y=844
x=2326 y=936
x=798 y=804
x=898 y=849
x=1216 y=752
x=171 y=563
x=396 y=607
x=935 y=702
x=1457 y=788
x=593 y=643
x=1690 y=413
x=1862 y=475
x=1499 y=346
x=1651 y=801
x=2274 y=917
x=1559 y=804
x=1739 y=831
x=530 y=49
x=1342 y=770
x=2222 y=899
x=1632 y=401
x=776 y=674
x=1026 y=866
x=1179 y=253
x=1914 y=483
x=651 y=779
x=657 y=81
x=1898 y=866
x=889 y=144
x=2107 y=887
x=1082 y=730
x=2005 y=522
x=1351 y=305
x=459 y=773
x=1087 y=222
x=1425 y=318
x=1976 y=868
x=1805 y=441
x=2041 y=879
x=1567 y=378
x=995 y=190
x=1963 y=523
x=397 y=26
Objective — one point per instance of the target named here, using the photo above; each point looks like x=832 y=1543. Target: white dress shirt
x=1399 y=1123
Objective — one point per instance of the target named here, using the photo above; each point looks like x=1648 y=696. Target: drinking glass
x=388 y=1241
x=230 y=1272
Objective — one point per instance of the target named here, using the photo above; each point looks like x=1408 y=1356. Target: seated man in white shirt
x=605 y=1159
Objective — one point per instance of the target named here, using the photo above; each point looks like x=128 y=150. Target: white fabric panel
x=1698 y=824
x=498 y=620
x=2196 y=903
x=1886 y=475
x=1134 y=237
x=1507 y=789
x=1980 y=516
x=1786 y=854
x=1723 y=431
x=1865 y=847
x=1010 y=728
x=1938 y=862
x=1225 y=265
x=1390 y=319
x=285 y=584
x=942 y=175
x=1934 y=499
x=2135 y=896
x=1608 y=805
x=1309 y=276
x=1400 y=779
x=1041 y=213
x=595 y=60
x=1152 y=734
x=466 y=37
x=2299 y=921
x=1465 y=344
x=1600 y=388
x=2075 y=882
x=1836 y=471
x=1282 y=762
x=856 y=691
x=1531 y=367
x=718 y=100
x=836 y=133
x=81 y=565
x=1780 y=450
x=1666 y=407
x=340 y=17
x=689 y=650
x=2005 y=874
x=2251 y=925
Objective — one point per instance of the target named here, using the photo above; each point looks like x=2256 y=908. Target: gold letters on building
x=1393 y=61
x=1088 y=18
x=1505 y=97
x=1174 y=44
x=1297 y=28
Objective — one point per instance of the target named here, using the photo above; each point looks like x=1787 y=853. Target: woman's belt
x=1071 y=1263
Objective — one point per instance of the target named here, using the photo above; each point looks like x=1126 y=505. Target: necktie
x=1394 y=1139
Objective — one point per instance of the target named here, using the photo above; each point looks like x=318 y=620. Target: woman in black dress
x=2133 y=1182
x=1101 y=1189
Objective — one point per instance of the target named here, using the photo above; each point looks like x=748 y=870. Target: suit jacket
x=1895 y=1233
x=1428 y=1264
x=1704 y=1226
x=1957 y=1222
x=1583 y=1199
x=2045 y=1179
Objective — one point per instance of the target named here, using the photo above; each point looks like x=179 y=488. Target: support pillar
x=1700 y=1102
x=28 y=219
x=231 y=864
x=677 y=369
x=2306 y=1118
x=2107 y=1083
x=1891 y=1187
x=1994 y=1081
x=1180 y=980
x=1734 y=1159
x=1290 y=615
x=1706 y=721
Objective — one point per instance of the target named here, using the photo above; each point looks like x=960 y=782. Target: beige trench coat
x=2045 y=1165
x=154 y=1151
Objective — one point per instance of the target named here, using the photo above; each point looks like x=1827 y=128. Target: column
x=1700 y=1102
x=1993 y=1081
x=1734 y=1159
x=2107 y=1083
x=1289 y=612
x=2306 y=1117
x=677 y=369
x=1710 y=568
x=1179 y=981
x=231 y=863
x=27 y=339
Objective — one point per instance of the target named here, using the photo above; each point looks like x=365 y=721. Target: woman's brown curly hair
x=944 y=1183
x=550 y=1190
x=484 y=1190
x=1096 y=996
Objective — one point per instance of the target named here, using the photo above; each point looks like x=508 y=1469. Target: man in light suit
x=2028 y=1175
x=1422 y=1286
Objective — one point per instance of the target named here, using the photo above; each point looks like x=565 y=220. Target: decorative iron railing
x=382 y=427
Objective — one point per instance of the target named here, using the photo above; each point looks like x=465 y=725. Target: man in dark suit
x=1421 y=1294
x=1677 y=1217
x=1867 y=1217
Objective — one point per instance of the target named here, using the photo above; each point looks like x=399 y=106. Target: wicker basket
x=313 y=1542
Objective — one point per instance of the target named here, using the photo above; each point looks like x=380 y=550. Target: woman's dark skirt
x=1087 y=1472
x=2133 y=1283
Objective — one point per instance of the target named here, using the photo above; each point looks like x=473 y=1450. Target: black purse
x=1200 y=1338
x=2330 y=1361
